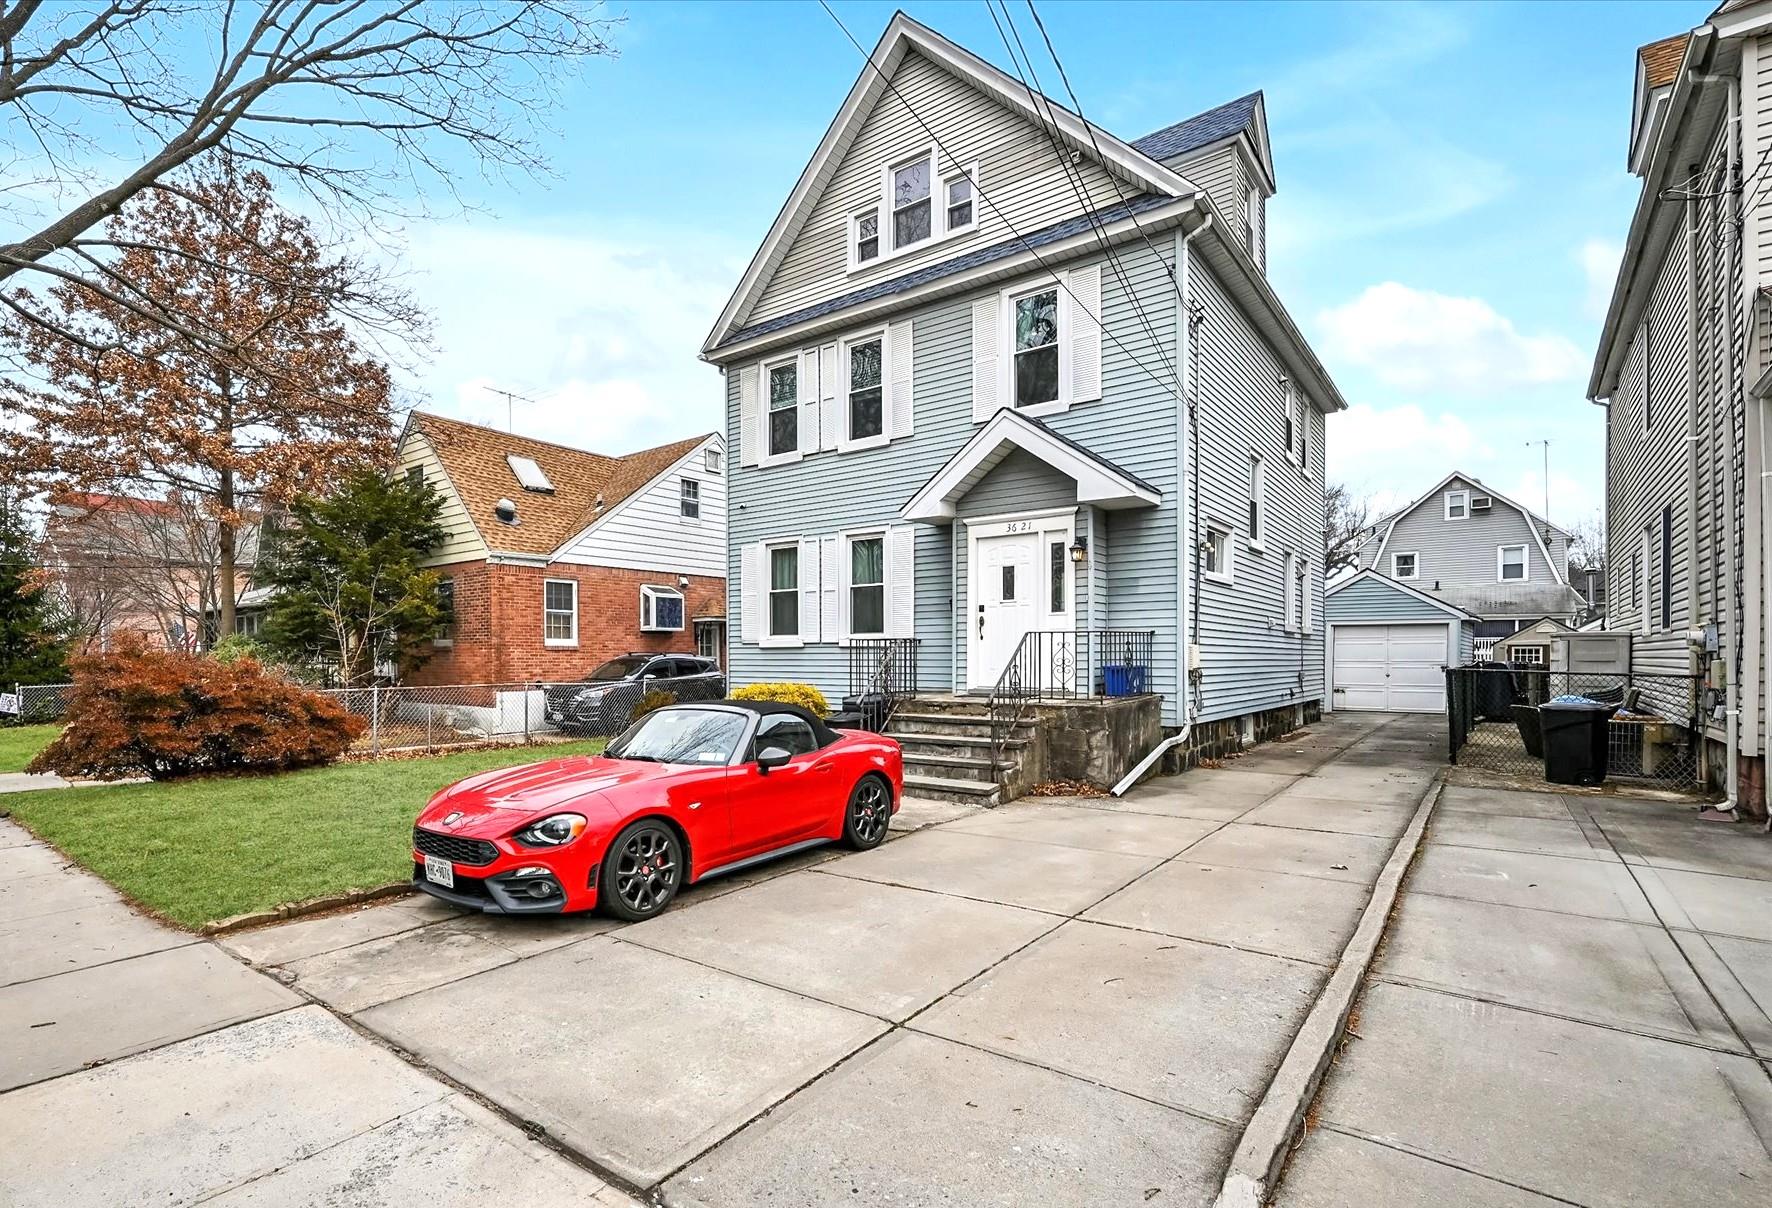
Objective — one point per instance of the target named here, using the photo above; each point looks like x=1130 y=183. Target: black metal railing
x=1655 y=732
x=882 y=674
x=1067 y=664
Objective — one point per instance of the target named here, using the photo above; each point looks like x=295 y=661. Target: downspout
x=1732 y=697
x=1187 y=549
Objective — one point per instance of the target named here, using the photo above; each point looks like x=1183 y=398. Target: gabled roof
x=903 y=35
x=1203 y=129
x=1661 y=60
x=1098 y=480
x=586 y=485
x=1481 y=486
x=1368 y=574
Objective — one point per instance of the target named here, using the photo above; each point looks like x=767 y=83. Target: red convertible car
x=688 y=791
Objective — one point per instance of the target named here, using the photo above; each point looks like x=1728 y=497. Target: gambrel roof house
x=954 y=373
x=1468 y=544
x=1684 y=372
x=558 y=558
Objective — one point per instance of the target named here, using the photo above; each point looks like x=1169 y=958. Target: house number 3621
x=1019 y=526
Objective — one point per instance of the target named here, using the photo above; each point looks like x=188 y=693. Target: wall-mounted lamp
x=682 y=580
x=1079 y=549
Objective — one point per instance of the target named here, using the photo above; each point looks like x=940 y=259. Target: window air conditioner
x=1481 y=503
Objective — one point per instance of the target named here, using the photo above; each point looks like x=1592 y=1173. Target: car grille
x=454 y=848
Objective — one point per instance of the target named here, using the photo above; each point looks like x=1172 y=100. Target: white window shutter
x=750 y=417
x=898 y=379
x=809 y=589
x=752 y=566
x=987 y=356
x=829 y=430
x=808 y=397
x=901 y=581
x=831 y=589
x=1085 y=332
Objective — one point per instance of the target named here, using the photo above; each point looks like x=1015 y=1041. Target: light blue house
x=955 y=377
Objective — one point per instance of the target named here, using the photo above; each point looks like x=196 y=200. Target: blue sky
x=1452 y=196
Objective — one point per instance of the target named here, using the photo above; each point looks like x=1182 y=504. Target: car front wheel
x=642 y=871
x=868 y=815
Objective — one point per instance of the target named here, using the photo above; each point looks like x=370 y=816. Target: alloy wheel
x=646 y=871
x=869 y=811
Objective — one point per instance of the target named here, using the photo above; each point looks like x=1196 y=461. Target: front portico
x=1028 y=510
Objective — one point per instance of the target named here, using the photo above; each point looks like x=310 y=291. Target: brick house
x=558 y=558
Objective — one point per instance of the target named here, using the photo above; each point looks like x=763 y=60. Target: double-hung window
x=559 y=612
x=1405 y=565
x=1257 y=501
x=912 y=209
x=445 y=635
x=867 y=586
x=689 y=500
x=714 y=461
x=1035 y=329
x=784 y=408
x=1458 y=505
x=1667 y=568
x=784 y=591
x=1291 y=587
x=1510 y=563
x=1301 y=595
x=1217 y=554
x=866 y=236
x=866 y=394
x=960 y=209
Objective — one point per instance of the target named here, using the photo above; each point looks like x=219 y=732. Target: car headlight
x=553 y=831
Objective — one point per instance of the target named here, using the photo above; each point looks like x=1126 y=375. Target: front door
x=1006 y=604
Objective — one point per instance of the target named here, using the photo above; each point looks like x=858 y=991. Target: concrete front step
x=948 y=788
x=953 y=744
x=957 y=767
x=962 y=724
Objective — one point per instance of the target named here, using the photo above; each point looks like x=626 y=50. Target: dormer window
x=529 y=474
x=912 y=221
x=1458 y=505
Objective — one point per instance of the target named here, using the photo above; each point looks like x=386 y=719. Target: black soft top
x=770 y=708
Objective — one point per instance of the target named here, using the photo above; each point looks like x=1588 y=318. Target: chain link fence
x=37 y=704
x=1494 y=724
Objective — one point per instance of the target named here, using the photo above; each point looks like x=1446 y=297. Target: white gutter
x=1185 y=549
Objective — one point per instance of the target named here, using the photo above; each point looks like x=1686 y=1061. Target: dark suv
x=604 y=702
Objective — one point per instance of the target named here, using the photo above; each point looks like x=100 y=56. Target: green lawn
x=199 y=850
x=19 y=743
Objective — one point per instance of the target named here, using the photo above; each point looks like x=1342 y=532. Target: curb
x=296 y=910
x=1267 y=1139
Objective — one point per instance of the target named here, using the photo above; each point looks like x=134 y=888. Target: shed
x=1389 y=645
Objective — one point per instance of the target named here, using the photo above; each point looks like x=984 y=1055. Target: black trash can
x=1495 y=692
x=1574 y=742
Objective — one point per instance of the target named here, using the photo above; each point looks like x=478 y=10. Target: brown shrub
x=156 y=713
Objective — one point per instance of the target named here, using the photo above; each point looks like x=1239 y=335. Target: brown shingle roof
x=1661 y=60
x=474 y=459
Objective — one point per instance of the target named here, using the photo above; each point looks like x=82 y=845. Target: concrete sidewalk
x=1572 y=1007
x=1056 y=1002
x=143 y=1065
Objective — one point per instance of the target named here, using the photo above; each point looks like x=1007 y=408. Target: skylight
x=528 y=473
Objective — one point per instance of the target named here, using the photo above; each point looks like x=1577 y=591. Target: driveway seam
x=186 y=942
x=1393 y=1144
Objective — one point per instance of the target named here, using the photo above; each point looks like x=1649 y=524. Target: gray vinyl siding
x=1250 y=661
x=1226 y=175
x=1369 y=601
x=1467 y=641
x=1460 y=552
x=1018 y=170
x=1020 y=482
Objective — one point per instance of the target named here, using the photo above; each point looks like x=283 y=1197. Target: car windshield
x=699 y=736
x=616 y=669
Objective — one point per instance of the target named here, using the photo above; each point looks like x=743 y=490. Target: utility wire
x=1074 y=176
x=986 y=198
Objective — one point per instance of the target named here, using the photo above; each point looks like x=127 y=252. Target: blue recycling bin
x=1122 y=679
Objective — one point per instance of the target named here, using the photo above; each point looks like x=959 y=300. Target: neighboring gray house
x=1478 y=550
x=953 y=377
x=1684 y=372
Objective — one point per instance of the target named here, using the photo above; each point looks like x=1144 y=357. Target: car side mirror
x=770 y=758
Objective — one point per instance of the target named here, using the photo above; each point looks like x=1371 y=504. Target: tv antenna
x=1545 y=444
x=511 y=398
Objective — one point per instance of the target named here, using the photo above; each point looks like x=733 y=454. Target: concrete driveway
x=1073 y=1002
x=1571 y=1008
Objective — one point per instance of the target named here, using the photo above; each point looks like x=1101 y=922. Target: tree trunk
x=224 y=572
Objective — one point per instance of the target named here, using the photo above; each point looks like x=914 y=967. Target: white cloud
x=1599 y=264
x=1426 y=341
x=1370 y=448
x=601 y=330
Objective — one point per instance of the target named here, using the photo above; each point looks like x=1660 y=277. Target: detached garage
x=1389 y=645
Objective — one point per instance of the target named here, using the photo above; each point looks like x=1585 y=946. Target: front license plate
x=439 y=871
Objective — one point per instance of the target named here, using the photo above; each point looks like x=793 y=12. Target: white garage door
x=1392 y=668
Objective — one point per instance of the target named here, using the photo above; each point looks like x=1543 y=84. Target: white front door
x=1392 y=668
x=1006 y=605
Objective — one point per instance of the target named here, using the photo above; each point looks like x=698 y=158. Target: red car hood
x=495 y=803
